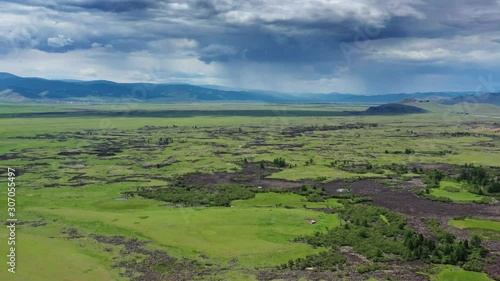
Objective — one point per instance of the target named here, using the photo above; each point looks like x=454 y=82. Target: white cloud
x=108 y=64
x=364 y=11
x=453 y=50
x=59 y=41
x=90 y=72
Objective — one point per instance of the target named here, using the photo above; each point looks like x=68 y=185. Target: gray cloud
x=216 y=52
x=234 y=42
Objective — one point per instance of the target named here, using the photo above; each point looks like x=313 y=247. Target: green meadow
x=449 y=273
x=458 y=193
x=254 y=236
x=470 y=223
x=74 y=168
x=272 y=199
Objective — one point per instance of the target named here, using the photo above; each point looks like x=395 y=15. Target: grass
x=255 y=236
x=42 y=258
x=384 y=218
x=272 y=199
x=450 y=273
x=459 y=196
x=476 y=224
x=79 y=190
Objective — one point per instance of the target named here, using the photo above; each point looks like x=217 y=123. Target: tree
x=279 y=162
x=475 y=241
x=494 y=187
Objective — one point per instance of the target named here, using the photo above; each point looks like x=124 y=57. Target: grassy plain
x=67 y=182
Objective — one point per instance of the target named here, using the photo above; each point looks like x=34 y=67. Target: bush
x=320 y=179
x=494 y=187
x=221 y=195
x=329 y=260
x=439 y=199
x=279 y=162
x=315 y=197
x=432 y=178
x=441 y=235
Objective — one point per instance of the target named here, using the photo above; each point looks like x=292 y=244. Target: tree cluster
x=467 y=254
x=221 y=195
x=382 y=235
x=479 y=178
x=432 y=178
x=312 y=193
x=366 y=231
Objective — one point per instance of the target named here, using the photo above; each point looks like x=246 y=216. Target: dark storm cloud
x=115 y=6
x=314 y=39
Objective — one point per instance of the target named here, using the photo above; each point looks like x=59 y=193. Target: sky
x=297 y=46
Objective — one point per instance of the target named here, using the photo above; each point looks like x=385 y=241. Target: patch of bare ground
x=486 y=129
x=434 y=166
x=71 y=233
x=491 y=267
x=251 y=174
x=303 y=129
x=394 y=271
x=155 y=264
x=406 y=202
x=352 y=256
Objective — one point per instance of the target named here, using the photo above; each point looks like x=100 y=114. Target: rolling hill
x=25 y=89
x=395 y=108
x=489 y=98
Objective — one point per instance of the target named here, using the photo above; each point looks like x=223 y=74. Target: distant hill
x=384 y=98
x=489 y=98
x=4 y=75
x=395 y=108
x=16 y=88
x=43 y=89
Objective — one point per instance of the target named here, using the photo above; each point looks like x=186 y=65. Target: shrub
x=279 y=162
x=494 y=187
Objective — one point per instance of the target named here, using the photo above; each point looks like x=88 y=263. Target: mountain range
x=490 y=98
x=25 y=89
